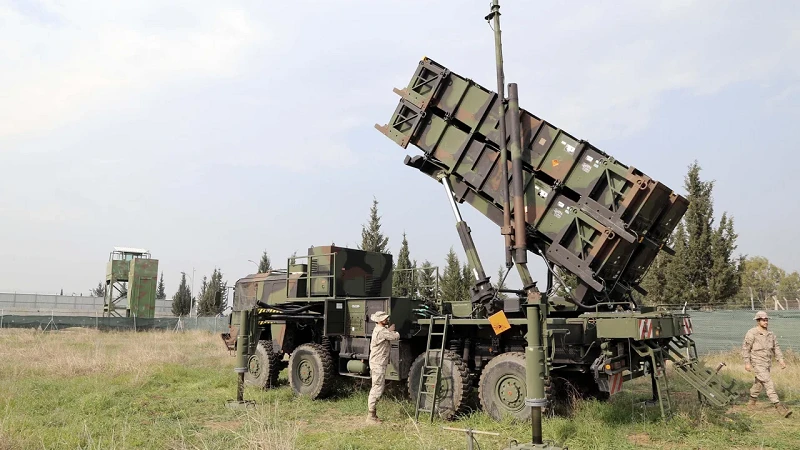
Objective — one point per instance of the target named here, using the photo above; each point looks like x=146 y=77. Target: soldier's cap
x=761 y=315
x=379 y=316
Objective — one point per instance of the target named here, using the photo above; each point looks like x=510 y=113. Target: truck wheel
x=263 y=367
x=454 y=384
x=502 y=388
x=311 y=371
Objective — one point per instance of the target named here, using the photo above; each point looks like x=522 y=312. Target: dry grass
x=272 y=426
x=87 y=389
x=787 y=381
x=81 y=352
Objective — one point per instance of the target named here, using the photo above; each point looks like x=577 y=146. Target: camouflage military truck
x=316 y=312
x=551 y=194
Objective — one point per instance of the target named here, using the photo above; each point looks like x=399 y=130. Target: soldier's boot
x=782 y=409
x=373 y=417
x=752 y=403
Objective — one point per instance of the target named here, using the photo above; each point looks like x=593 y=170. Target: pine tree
x=203 y=288
x=501 y=284
x=655 y=279
x=427 y=287
x=467 y=281
x=724 y=278
x=371 y=237
x=213 y=295
x=703 y=269
x=452 y=284
x=414 y=282
x=698 y=218
x=403 y=277
x=99 y=291
x=570 y=283
x=182 y=300
x=675 y=271
x=160 y=291
x=265 y=265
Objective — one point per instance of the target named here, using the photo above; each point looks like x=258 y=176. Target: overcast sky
x=208 y=132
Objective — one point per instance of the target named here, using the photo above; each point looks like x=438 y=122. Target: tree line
x=705 y=269
x=424 y=280
x=211 y=299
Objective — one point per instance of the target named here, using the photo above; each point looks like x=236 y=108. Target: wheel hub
x=254 y=365
x=511 y=392
x=305 y=372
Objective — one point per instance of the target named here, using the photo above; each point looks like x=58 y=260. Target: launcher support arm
x=482 y=291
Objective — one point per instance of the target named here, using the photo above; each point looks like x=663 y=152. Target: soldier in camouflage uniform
x=379 y=347
x=758 y=348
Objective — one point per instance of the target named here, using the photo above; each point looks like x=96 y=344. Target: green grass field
x=83 y=389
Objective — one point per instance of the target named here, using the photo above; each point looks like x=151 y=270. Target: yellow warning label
x=499 y=322
x=556 y=162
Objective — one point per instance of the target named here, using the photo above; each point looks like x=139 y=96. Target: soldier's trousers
x=764 y=379
x=378 y=383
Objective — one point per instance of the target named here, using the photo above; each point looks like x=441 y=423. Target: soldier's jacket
x=379 y=346
x=759 y=346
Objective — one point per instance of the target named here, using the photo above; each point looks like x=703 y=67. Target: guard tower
x=131 y=278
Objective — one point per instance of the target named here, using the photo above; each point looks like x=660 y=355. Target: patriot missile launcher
x=584 y=211
x=581 y=210
x=550 y=193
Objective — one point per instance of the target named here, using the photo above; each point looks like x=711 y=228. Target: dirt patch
x=230 y=425
x=639 y=439
x=339 y=423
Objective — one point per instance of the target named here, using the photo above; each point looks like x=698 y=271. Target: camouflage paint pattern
x=141 y=275
x=344 y=272
x=518 y=180
x=577 y=164
x=588 y=213
x=637 y=325
x=118 y=270
x=325 y=272
x=142 y=286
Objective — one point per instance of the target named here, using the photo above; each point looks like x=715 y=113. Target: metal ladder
x=659 y=376
x=430 y=374
x=707 y=382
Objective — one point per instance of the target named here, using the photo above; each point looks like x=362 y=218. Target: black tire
x=263 y=367
x=311 y=371
x=502 y=387
x=454 y=385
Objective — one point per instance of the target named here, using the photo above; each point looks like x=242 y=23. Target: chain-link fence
x=720 y=331
x=714 y=331
x=217 y=324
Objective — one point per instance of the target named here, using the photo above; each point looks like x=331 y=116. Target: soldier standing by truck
x=758 y=348
x=379 y=347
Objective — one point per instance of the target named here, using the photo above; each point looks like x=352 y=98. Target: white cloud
x=604 y=68
x=58 y=66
